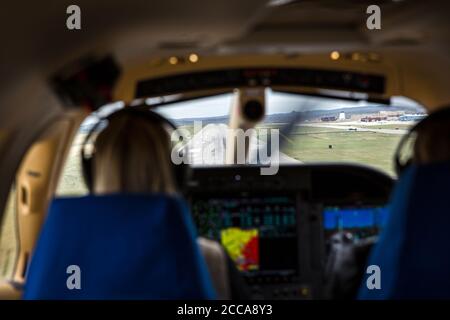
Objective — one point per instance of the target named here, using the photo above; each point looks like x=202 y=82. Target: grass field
x=322 y=144
x=385 y=126
x=307 y=144
x=8 y=240
x=71 y=182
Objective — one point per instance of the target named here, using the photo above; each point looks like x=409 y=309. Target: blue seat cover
x=413 y=251
x=127 y=247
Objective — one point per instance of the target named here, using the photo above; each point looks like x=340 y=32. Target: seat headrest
x=413 y=251
x=126 y=247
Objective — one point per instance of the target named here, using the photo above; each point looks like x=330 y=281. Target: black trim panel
x=233 y=78
x=324 y=183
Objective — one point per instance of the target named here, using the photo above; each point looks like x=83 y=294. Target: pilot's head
x=432 y=143
x=132 y=155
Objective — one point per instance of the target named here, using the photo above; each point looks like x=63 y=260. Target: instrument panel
x=276 y=229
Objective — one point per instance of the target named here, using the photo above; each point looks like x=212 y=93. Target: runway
x=208 y=147
x=350 y=127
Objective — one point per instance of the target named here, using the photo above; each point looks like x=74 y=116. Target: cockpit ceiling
x=146 y=28
x=310 y=25
x=414 y=38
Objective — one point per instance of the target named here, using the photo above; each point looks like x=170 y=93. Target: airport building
x=412 y=117
x=328 y=119
x=373 y=118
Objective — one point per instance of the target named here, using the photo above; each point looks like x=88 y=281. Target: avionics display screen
x=360 y=222
x=259 y=233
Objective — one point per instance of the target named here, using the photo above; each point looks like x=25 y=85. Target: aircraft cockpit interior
x=225 y=150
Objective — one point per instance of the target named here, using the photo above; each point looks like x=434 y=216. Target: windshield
x=320 y=129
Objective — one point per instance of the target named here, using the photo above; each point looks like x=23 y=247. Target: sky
x=276 y=103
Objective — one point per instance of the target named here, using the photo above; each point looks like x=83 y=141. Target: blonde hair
x=132 y=155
